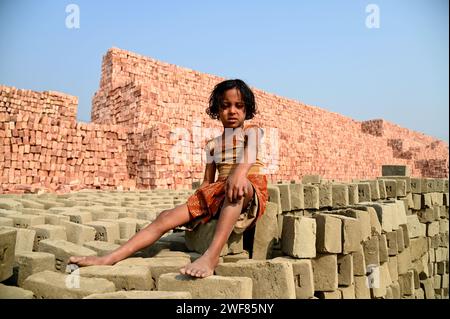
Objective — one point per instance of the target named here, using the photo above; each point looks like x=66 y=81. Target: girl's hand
x=204 y=184
x=236 y=187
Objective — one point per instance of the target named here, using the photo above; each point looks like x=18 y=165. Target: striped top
x=227 y=150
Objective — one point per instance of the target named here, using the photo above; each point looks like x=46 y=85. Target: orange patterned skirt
x=207 y=201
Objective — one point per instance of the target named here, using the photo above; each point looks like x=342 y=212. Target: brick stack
x=38 y=233
x=129 y=105
x=148 y=111
x=178 y=97
x=383 y=238
x=428 y=221
x=43 y=147
x=150 y=127
x=379 y=238
x=50 y=104
x=373 y=127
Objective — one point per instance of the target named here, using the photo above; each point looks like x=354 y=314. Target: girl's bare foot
x=202 y=267
x=90 y=261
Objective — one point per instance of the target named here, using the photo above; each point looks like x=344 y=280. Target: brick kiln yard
x=364 y=230
x=381 y=238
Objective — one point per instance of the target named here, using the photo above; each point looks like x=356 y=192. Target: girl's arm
x=210 y=174
x=237 y=184
x=248 y=157
x=210 y=169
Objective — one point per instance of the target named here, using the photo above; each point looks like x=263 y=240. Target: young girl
x=238 y=197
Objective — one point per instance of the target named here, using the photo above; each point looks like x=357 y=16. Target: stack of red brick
x=150 y=127
x=300 y=139
x=42 y=145
x=373 y=127
x=19 y=103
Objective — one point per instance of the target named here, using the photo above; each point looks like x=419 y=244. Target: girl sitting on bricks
x=238 y=197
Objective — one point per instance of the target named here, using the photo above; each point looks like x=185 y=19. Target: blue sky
x=317 y=52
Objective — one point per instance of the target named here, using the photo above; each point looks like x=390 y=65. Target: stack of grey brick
x=380 y=238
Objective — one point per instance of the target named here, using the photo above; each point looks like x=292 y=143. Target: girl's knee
x=247 y=198
x=162 y=220
x=173 y=217
x=249 y=195
x=164 y=213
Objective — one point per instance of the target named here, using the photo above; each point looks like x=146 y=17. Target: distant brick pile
x=22 y=104
x=42 y=145
x=142 y=109
x=312 y=140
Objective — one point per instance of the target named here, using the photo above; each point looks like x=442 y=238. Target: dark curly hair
x=216 y=98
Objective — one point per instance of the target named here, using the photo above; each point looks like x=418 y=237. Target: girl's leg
x=205 y=265
x=166 y=221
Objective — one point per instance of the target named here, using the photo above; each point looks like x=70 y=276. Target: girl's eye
x=226 y=105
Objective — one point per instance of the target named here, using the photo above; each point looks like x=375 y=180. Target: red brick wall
x=311 y=139
x=51 y=104
x=42 y=145
x=142 y=108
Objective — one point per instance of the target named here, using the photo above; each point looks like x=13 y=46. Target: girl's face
x=232 y=111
